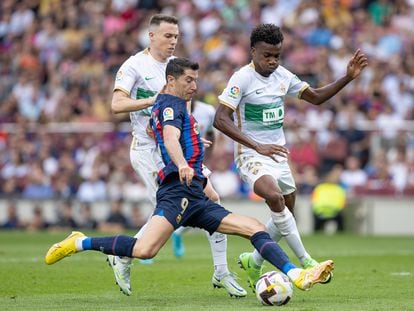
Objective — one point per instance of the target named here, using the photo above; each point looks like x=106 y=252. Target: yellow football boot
x=63 y=249
x=317 y=274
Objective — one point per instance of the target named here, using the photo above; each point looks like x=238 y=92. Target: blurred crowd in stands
x=58 y=59
x=72 y=214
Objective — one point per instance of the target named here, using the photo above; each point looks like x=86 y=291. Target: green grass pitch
x=372 y=273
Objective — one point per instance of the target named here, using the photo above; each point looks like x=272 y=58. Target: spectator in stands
x=92 y=189
x=116 y=221
x=38 y=185
x=303 y=149
x=306 y=179
x=225 y=181
x=137 y=218
x=328 y=201
x=353 y=175
x=37 y=221
x=334 y=150
x=65 y=217
x=12 y=220
x=87 y=221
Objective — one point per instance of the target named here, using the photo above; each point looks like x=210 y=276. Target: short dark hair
x=268 y=33
x=157 y=19
x=177 y=66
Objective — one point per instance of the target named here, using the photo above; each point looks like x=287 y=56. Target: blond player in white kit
x=251 y=112
x=136 y=84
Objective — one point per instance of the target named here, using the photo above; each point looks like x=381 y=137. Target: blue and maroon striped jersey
x=172 y=110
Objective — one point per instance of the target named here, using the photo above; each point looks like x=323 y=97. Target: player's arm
x=121 y=102
x=223 y=121
x=355 y=66
x=172 y=144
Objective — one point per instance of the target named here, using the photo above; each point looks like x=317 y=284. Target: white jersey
x=204 y=114
x=141 y=76
x=258 y=103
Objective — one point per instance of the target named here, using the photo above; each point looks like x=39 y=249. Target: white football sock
x=286 y=224
x=78 y=243
x=218 y=245
x=294 y=273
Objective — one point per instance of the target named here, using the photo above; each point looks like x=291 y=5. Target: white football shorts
x=251 y=168
x=146 y=162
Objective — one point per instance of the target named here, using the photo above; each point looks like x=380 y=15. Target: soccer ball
x=274 y=289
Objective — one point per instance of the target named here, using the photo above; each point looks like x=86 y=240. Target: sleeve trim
x=227 y=105
x=304 y=87
x=118 y=88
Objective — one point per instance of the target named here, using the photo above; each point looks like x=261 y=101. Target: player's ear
x=170 y=79
x=253 y=51
x=151 y=35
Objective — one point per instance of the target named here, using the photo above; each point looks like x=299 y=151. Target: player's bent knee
x=145 y=254
x=276 y=202
x=143 y=251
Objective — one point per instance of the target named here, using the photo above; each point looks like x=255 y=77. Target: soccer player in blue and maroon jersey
x=175 y=113
x=180 y=197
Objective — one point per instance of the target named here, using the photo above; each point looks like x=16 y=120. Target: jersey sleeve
x=233 y=92
x=172 y=113
x=296 y=86
x=126 y=77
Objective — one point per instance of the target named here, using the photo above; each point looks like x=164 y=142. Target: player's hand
x=150 y=131
x=186 y=174
x=151 y=100
x=357 y=63
x=207 y=143
x=272 y=151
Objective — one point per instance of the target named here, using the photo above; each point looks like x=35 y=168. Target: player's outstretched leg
x=222 y=277
x=303 y=279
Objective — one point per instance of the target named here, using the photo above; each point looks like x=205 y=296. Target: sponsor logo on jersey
x=148 y=78
x=259 y=91
x=168 y=114
x=234 y=91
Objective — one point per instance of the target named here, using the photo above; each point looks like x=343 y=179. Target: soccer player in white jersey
x=251 y=112
x=204 y=114
x=137 y=82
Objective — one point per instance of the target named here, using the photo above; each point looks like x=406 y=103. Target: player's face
x=186 y=85
x=164 y=40
x=266 y=57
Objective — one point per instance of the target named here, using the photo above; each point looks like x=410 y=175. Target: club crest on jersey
x=234 y=91
x=196 y=129
x=168 y=114
x=119 y=75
